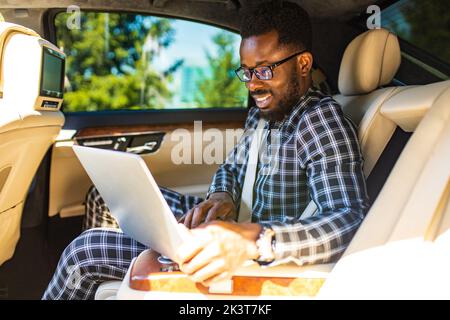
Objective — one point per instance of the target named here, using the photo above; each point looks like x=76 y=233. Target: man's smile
x=262 y=101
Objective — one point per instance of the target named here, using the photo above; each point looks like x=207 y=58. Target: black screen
x=52 y=76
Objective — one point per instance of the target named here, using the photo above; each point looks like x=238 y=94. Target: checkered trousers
x=101 y=254
x=98 y=214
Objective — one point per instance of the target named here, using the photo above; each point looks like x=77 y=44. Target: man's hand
x=218 y=206
x=215 y=250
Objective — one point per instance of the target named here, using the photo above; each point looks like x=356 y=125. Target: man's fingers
x=188 y=218
x=215 y=212
x=211 y=270
x=201 y=259
x=230 y=215
x=222 y=211
x=192 y=246
x=200 y=212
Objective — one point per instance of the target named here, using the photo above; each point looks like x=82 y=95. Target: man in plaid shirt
x=318 y=158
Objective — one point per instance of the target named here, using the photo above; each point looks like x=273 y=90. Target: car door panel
x=69 y=181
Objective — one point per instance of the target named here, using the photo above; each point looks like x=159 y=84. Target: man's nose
x=254 y=83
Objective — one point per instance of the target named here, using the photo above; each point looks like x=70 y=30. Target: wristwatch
x=266 y=246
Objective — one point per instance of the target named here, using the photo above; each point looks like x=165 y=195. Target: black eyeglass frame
x=271 y=67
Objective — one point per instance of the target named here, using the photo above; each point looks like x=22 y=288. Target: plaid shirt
x=318 y=158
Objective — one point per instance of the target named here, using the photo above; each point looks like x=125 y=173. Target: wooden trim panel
x=137 y=129
x=146 y=275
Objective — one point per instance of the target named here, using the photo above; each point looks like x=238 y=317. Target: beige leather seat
x=26 y=130
x=391 y=255
x=108 y=290
x=401 y=248
x=369 y=62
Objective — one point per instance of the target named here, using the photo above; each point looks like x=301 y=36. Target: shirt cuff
x=223 y=188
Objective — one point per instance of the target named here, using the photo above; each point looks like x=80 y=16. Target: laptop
x=133 y=197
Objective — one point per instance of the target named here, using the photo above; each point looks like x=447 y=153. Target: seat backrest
x=383 y=257
x=29 y=123
x=369 y=62
x=401 y=248
x=388 y=245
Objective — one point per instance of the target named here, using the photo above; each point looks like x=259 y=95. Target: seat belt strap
x=245 y=210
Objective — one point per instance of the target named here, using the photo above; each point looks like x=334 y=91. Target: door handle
x=147 y=147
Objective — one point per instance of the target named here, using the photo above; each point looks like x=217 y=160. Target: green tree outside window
x=111 y=65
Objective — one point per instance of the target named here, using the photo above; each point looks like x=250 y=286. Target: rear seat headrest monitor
x=52 y=76
x=31 y=69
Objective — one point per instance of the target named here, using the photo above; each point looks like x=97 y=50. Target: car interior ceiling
x=43 y=238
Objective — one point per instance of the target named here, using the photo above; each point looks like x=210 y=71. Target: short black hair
x=291 y=22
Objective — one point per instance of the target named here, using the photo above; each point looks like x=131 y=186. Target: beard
x=287 y=102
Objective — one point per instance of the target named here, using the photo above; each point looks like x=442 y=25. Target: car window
x=425 y=24
x=118 y=61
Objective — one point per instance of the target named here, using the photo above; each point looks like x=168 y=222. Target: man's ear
x=305 y=62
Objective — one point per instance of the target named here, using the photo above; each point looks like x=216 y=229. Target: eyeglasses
x=262 y=73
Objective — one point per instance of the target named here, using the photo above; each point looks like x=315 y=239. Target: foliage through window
x=121 y=61
x=425 y=24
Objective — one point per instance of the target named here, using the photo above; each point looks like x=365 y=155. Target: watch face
x=266 y=246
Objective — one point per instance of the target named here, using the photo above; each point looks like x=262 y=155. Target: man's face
x=275 y=97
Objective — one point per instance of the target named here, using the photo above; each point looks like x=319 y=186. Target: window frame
x=406 y=47
x=177 y=115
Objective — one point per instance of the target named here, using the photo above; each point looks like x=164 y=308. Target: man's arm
x=333 y=161
x=224 y=193
x=327 y=147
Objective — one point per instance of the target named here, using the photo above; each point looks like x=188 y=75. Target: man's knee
x=77 y=252
x=89 y=259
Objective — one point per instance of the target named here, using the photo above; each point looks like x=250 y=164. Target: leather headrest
x=370 y=61
x=7 y=30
